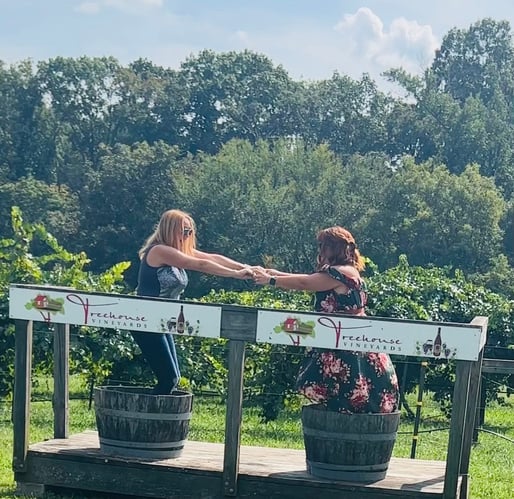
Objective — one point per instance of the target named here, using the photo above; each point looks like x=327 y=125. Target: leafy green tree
x=508 y=225
x=150 y=105
x=275 y=197
x=123 y=200
x=24 y=132
x=499 y=277
x=480 y=133
x=368 y=180
x=56 y=206
x=252 y=201
x=474 y=62
x=234 y=95
x=460 y=110
x=438 y=218
x=81 y=94
x=348 y=115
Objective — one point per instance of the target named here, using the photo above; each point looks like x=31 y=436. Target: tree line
x=97 y=150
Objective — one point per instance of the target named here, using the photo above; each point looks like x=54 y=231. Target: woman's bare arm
x=319 y=281
x=165 y=255
x=220 y=259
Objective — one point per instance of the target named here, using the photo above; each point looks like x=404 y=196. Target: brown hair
x=170 y=231
x=337 y=247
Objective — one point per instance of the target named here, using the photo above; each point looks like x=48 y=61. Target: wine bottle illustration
x=437 y=344
x=181 y=321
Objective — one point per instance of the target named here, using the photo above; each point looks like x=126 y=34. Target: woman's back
x=350 y=301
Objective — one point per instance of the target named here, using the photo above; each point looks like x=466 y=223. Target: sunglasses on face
x=186 y=232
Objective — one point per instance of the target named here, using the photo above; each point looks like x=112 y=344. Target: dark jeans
x=160 y=353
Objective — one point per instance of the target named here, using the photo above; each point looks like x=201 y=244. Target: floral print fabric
x=350 y=303
x=348 y=382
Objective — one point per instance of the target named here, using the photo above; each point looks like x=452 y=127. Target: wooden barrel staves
x=349 y=447
x=133 y=422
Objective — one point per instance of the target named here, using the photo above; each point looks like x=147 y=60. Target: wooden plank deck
x=270 y=473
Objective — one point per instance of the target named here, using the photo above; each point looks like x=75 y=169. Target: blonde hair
x=170 y=231
x=337 y=247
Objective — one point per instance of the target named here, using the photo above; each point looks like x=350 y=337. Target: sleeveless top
x=353 y=302
x=165 y=281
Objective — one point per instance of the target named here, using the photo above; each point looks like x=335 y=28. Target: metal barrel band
x=142 y=445
x=350 y=467
x=144 y=415
x=369 y=437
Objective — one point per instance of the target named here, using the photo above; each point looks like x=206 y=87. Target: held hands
x=262 y=276
x=256 y=274
x=246 y=272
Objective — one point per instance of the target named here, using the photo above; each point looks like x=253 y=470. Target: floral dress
x=344 y=381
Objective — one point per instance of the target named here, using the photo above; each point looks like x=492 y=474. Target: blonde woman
x=165 y=257
x=347 y=382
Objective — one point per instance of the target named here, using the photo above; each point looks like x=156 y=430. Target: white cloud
x=359 y=43
x=241 y=36
x=361 y=29
x=128 y=6
x=88 y=8
x=405 y=43
x=131 y=4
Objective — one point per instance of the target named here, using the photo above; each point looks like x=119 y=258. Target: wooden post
x=471 y=411
x=236 y=356
x=457 y=424
x=22 y=388
x=480 y=411
x=60 y=400
x=469 y=425
x=496 y=366
x=419 y=405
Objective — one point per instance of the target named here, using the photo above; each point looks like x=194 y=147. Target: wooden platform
x=270 y=473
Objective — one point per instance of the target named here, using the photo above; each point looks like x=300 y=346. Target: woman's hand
x=244 y=273
x=261 y=276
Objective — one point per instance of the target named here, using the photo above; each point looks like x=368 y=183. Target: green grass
x=492 y=459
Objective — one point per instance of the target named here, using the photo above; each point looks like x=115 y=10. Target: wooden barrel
x=133 y=422
x=350 y=447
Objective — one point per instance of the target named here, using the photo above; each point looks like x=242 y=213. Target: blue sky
x=310 y=39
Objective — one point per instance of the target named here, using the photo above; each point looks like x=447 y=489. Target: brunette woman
x=344 y=381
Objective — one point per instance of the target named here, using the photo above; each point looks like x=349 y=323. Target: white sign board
x=58 y=305
x=371 y=334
